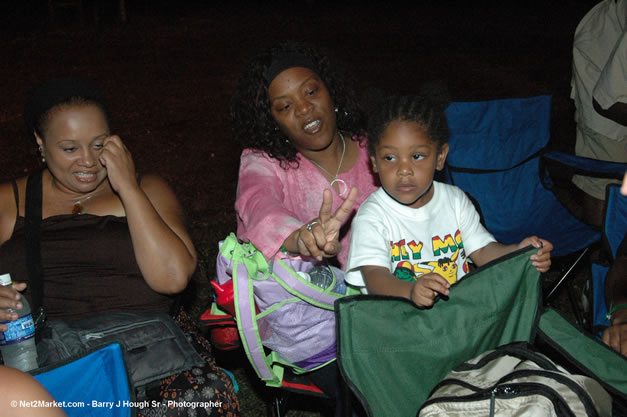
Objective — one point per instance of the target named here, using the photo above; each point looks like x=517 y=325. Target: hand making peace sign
x=320 y=237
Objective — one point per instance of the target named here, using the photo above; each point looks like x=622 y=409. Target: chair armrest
x=589 y=166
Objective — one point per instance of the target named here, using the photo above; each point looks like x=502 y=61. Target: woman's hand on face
x=323 y=238
x=9 y=298
x=117 y=159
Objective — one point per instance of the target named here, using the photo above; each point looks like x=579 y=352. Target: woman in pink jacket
x=303 y=173
x=301 y=126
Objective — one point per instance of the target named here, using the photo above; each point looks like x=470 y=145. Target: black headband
x=289 y=60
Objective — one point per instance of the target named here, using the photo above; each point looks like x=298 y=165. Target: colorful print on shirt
x=445 y=256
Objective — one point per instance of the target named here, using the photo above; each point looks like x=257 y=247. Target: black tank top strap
x=16 y=194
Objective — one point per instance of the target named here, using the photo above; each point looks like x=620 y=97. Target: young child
x=412 y=236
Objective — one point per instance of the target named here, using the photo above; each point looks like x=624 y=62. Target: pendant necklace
x=339 y=181
x=79 y=207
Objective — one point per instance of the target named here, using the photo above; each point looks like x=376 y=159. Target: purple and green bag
x=278 y=309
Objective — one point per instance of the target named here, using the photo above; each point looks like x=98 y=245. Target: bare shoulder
x=8 y=210
x=6 y=191
x=6 y=197
x=158 y=191
x=154 y=185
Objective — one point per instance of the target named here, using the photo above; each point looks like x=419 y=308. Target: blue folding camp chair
x=496 y=150
x=614 y=232
x=95 y=385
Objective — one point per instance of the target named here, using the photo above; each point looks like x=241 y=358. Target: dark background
x=169 y=70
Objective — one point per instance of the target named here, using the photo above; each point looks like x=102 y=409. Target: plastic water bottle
x=18 y=342
x=322 y=276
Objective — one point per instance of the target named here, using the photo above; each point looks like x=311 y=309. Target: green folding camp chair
x=392 y=353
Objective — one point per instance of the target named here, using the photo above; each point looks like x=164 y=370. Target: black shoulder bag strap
x=32 y=232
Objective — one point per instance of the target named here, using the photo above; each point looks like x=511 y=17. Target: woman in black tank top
x=107 y=241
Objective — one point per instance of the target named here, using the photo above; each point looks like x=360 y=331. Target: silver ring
x=310 y=226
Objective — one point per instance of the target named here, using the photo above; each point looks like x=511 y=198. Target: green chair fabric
x=591 y=356
x=392 y=353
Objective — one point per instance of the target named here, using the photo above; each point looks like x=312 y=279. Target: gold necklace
x=342 y=191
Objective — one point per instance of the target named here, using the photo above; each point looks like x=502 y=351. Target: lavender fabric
x=300 y=332
x=321 y=357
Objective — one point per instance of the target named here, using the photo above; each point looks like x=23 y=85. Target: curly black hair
x=426 y=109
x=55 y=93
x=253 y=122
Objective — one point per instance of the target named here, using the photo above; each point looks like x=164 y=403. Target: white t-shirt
x=437 y=237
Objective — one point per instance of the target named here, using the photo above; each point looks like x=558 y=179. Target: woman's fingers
x=118 y=161
x=9 y=299
x=325 y=207
x=343 y=211
x=332 y=248
x=317 y=231
x=9 y=296
x=319 y=238
x=311 y=239
x=111 y=147
x=347 y=205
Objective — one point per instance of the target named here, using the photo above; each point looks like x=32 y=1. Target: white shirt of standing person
x=599 y=59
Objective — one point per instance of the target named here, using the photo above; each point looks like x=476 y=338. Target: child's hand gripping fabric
x=423 y=291
x=541 y=260
x=427 y=287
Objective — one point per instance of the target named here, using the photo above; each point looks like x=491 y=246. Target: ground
x=169 y=71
